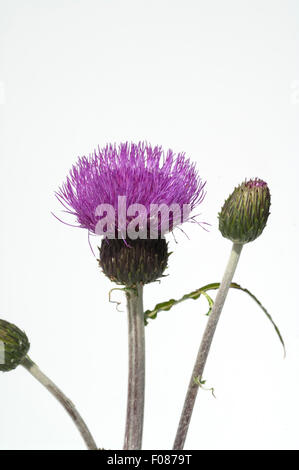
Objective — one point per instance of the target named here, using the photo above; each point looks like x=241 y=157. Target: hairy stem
x=136 y=379
x=65 y=402
x=205 y=347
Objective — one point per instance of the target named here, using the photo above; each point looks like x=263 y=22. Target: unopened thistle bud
x=14 y=346
x=244 y=214
x=134 y=261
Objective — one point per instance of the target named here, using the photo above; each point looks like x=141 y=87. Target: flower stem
x=205 y=347
x=136 y=379
x=65 y=402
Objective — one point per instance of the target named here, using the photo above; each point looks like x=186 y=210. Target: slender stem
x=65 y=402
x=205 y=347
x=136 y=379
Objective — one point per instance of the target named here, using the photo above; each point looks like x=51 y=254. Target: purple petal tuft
x=144 y=174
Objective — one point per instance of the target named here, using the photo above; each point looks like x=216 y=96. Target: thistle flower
x=244 y=214
x=14 y=346
x=140 y=172
x=162 y=188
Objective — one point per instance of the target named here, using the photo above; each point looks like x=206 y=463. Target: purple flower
x=143 y=174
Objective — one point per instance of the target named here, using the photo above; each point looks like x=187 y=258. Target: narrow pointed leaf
x=165 y=306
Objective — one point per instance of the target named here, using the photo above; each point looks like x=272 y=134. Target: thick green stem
x=205 y=347
x=136 y=379
x=65 y=402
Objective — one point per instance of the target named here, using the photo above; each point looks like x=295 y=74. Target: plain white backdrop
x=218 y=80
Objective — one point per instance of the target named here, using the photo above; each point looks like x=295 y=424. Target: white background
x=216 y=79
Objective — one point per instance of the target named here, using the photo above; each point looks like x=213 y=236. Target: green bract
x=133 y=261
x=14 y=346
x=244 y=214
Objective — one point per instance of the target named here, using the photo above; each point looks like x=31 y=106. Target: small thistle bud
x=133 y=261
x=14 y=346
x=244 y=214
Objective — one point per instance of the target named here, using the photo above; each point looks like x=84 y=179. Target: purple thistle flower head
x=144 y=175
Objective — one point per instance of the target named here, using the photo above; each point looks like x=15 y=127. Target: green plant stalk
x=205 y=347
x=136 y=378
x=65 y=402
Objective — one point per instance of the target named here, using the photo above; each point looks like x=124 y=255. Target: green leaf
x=198 y=381
x=165 y=306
